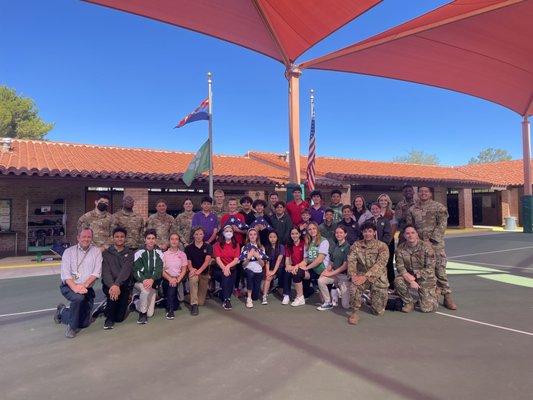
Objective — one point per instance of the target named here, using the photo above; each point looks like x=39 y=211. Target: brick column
x=505 y=196
x=465 y=208
x=140 y=196
x=440 y=194
x=256 y=194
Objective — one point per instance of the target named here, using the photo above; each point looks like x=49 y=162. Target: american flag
x=311 y=156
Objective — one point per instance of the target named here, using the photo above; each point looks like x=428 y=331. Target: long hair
x=222 y=240
x=309 y=239
x=358 y=196
x=290 y=243
x=257 y=242
x=268 y=246
x=388 y=211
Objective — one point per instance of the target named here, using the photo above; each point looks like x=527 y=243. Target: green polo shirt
x=338 y=254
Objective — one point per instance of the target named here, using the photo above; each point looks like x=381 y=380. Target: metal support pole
x=527 y=199
x=293 y=75
x=210 y=97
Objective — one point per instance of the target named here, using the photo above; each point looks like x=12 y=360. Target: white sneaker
x=325 y=307
x=249 y=303
x=286 y=300
x=299 y=301
x=265 y=300
x=335 y=297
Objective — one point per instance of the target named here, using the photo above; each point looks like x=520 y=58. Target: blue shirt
x=317 y=215
x=208 y=223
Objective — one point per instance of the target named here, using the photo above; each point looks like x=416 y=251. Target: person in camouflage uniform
x=182 y=223
x=99 y=220
x=367 y=266
x=219 y=206
x=415 y=262
x=401 y=209
x=430 y=219
x=161 y=222
x=132 y=222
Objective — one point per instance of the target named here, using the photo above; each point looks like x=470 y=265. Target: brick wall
x=466 y=218
x=39 y=192
x=140 y=196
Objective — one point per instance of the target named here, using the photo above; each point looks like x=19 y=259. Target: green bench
x=38 y=251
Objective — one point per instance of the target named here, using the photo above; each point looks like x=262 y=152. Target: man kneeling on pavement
x=81 y=266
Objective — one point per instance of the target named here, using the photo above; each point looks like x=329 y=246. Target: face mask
x=228 y=235
x=102 y=206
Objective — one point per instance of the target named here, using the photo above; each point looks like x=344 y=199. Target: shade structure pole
x=210 y=97
x=526 y=142
x=527 y=199
x=293 y=76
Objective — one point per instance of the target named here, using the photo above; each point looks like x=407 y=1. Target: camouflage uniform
x=162 y=225
x=430 y=220
x=400 y=213
x=419 y=261
x=100 y=223
x=369 y=259
x=182 y=226
x=219 y=211
x=134 y=225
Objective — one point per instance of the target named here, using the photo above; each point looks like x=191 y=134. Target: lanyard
x=78 y=264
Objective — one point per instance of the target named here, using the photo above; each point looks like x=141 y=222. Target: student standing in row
x=317 y=208
x=360 y=212
x=207 y=220
x=336 y=205
x=296 y=206
x=227 y=254
x=281 y=222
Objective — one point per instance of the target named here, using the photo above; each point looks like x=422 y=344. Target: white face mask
x=228 y=235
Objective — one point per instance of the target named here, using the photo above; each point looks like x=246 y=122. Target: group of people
x=250 y=248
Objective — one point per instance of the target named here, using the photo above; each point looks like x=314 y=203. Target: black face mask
x=101 y=206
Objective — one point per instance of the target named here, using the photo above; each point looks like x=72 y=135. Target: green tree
x=19 y=117
x=490 y=155
x=417 y=157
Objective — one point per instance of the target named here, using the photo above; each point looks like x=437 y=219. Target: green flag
x=199 y=164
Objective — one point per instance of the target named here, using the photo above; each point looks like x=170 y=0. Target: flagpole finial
x=209 y=76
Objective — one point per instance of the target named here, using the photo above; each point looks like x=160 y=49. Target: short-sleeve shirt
x=227 y=253
x=338 y=254
x=273 y=253
x=197 y=255
x=209 y=222
x=313 y=251
x=228 y=218
x=174 y=261
x=295 y=211
x=317 y=214
x=295 y=253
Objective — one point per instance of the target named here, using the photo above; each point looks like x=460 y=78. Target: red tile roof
x=503 y=173
x=350 y=169
x=44 y=158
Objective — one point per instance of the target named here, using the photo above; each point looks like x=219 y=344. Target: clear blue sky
x=107 y=77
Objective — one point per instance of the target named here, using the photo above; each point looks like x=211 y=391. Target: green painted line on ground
x=467 y=272
x=510 y=279
x=469 y=267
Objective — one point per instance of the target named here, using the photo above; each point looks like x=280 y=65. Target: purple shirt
x=209 y=223
x=317 y=215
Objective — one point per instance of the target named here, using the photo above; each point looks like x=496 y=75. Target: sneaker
x=70 y=333
x=249 y=303
x=109 y=324
x=59 y=310
x=194 y=309
x=227 y=305
x=143 y=319
x=134 y=298
x=265 y=300
x=169 y=315
x=324 y=307
x=335 y=297
x=286 y=300
x=298 y=301
x=99 y=310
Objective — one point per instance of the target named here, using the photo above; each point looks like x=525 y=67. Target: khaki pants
x=341 y=280
x=146 y=302
x=198 y=287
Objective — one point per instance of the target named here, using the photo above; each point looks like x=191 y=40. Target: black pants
x=253 y=282
x=116 y=310
x=239 y=275
x=227 y=283
x=284 y=280
x=171 y=296
x=299 y=277
x=390 y=265
x=78 y=314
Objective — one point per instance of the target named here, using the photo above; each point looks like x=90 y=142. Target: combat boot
x=353 y=319
x=409 y=307
x=448 y=302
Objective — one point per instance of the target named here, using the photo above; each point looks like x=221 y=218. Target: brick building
x=46 y=186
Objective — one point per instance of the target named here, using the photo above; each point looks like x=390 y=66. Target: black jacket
x=384 y=229
x=117 y=267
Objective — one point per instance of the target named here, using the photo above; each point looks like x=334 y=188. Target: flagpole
x=312 y=96
x=210 y=97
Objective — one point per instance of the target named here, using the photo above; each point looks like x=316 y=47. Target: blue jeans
x=284 y=280
x=78 y=315
x=253 y=282
x=226 y=283
x=171 y=296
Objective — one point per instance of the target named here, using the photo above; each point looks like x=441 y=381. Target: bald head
x=128 y=202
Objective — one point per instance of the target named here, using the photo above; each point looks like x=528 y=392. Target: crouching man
x=415 y=262
x=81 y=266
x=367 y=266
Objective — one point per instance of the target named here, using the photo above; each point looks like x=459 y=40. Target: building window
x=5 y=215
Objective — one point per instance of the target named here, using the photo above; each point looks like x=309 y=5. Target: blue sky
x=112 y=78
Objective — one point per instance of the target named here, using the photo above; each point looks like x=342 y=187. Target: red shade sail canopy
x=281 y=29
x=482 y=48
